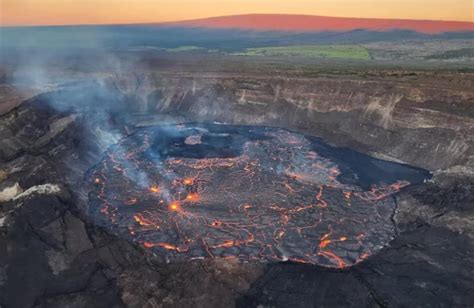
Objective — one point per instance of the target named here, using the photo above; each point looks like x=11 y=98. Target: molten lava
x=174 y=206
x=154 y=189
x=192 y=197
x=207 y=191
x=188 y=181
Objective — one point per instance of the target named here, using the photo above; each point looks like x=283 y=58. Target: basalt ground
x=56 y=134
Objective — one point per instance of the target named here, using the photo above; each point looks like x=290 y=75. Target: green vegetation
x=185 y=48
x=312 y=51
x=354 y=52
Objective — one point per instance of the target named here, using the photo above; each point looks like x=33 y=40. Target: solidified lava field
x=196 y=191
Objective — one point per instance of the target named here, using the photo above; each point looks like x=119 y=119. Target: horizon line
x=223 y=16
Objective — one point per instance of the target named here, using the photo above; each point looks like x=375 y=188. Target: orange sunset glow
x=61 y=12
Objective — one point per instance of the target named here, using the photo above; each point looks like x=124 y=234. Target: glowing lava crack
x=252 y=193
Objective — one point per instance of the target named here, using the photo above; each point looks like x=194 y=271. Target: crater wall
x=417 y=118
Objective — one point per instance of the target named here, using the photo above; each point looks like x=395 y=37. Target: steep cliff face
x=421 y=119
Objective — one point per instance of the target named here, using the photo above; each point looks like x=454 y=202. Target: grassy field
x=185 y=48
x=312 y=51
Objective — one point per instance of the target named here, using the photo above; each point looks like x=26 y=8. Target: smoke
x=47 y=57
x=73 y=68
x=85 y=71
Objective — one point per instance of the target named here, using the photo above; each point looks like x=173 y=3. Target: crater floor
x=253 y=193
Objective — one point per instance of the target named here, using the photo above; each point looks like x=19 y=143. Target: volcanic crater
x=195 y=191
x=177 y=192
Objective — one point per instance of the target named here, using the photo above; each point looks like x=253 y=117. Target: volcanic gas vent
x=253 y=193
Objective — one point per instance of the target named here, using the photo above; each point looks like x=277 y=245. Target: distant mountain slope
x=308 y=23
x=122 y=37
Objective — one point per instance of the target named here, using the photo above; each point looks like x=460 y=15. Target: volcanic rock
x=53 y=255
x=8 y=191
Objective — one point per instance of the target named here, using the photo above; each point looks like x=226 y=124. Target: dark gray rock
x=51 y=255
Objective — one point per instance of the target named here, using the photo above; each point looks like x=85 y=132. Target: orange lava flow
x=275 y=197
x=228 y=243
x=174 y=206
x=142 y=221
x=131 y=201
x=154 y=189
x=163 y=245
x=193 y=197
x=334 y=258
x=188 y=181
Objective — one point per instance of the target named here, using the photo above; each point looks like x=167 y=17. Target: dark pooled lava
x=253 y=193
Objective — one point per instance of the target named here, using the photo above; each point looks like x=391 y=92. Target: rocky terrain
x=51 y=255
x=419 y=118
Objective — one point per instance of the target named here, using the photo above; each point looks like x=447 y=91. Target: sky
x=61 y=12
